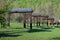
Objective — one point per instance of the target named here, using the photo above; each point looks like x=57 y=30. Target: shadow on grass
x=16 y=28
x=55 y=38
x=39 y=30
x=57 y=26
x=9 y=35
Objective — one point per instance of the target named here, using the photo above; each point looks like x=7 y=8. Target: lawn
x=17 y=32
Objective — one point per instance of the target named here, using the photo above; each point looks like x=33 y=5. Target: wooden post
x=24 y=20
x=42 y=20
x=47 y=21
x=8 y=19
x=34 y=20
x=30 y=21
x=27 y=19
x=37 y=21
x=27 y=22
x=24 y=23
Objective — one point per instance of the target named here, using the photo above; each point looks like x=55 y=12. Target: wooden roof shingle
x=21 y=10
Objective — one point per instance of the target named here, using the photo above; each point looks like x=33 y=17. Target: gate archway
x=27 y=13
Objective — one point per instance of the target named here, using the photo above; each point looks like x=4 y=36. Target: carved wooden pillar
x=31 y=21
x=27 y=22
x=37 y=21
x=47 y=21
x=28 y=16
x=42 y=20
x=24 y=20
x=8 y=19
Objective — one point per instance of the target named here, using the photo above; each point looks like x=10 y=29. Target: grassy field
x=17 y=32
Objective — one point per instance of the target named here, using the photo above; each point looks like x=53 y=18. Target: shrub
x=2 y=21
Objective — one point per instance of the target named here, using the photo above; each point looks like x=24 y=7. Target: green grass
x=17 y=32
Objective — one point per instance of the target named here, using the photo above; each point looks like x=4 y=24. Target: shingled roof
x=21 y=10
x=36 y=14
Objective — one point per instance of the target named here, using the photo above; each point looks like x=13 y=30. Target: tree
x=4 y=7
